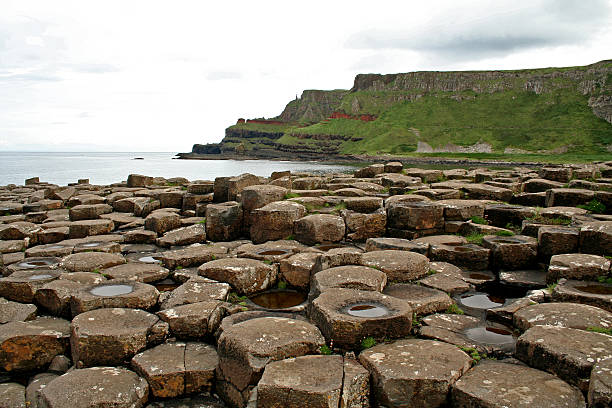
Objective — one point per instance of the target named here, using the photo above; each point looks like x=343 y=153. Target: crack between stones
x=342 y=386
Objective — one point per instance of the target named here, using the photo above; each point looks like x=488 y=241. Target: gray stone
x=399 y=266
x=246 y=276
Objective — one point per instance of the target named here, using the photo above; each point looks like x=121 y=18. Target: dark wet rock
x=85 y=228
x=292 y=382
x=194 y=290
x=470 y=256
x=297 y=269
x=115 y=293
x=113 y=336
x=89 y=211
x=192 y=256
x=141 y=272
x=399 y=266
x=445 y=277
x=96 y=387
x=572 y=315
x=577 y=266
x=183 y=236
x=588 y=293
x=224 y=221
x=347 y=316
x=504 y=313
x=511 y=253
x=274 y=221
x=348 y=277
x=415 y=373
x=21 y=286
x=90 y=261
x=500 y=215
x=162 y=222
x=12 y=395
x=246 y=276
x=596 y=238
x=529 y=279
x=31 y=345
x=422 y=299
x=246 y=348
x=600 y=385
x=497 y=384
x=15 y=311
x=554 y=240
x=568 y=353
x=194 y=401
x=174 y=369
x=194 y=320
x=319 y=228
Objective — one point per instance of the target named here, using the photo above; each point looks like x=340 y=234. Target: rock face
x=414 y=373
x=246 y=276
x=96 y=386
x=496 y=384
x=319 y=228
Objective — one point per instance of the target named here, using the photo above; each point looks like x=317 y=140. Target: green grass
x=475 y=238
x=454 y=309
x=600 y=330
x=291 y=195
x=282 y=285
x=605 y=279
x=367 y=343
x=594 y=206
x=504 y=233
x=479 y=220
x=325 y=350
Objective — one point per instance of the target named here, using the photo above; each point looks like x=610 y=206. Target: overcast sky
x=136 y=75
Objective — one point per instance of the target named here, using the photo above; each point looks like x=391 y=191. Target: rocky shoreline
x=392 y=286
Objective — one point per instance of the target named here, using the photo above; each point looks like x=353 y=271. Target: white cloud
x=157 y=75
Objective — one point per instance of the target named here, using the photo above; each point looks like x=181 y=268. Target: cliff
x=523 y=111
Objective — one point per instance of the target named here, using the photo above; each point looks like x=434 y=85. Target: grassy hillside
x=530 y=110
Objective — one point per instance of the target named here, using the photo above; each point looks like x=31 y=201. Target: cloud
x=30 y=77
x=92 y=68
x=222 y=75
x=457 y=35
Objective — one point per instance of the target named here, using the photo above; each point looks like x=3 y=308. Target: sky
x=148 y=75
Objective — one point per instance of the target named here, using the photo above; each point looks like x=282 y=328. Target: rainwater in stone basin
x=281 y=299
x=166 y=285
x=40 y=277
x=149 y=259
x=367 y=310
x=595 y=289
x=111 y=290
x=36 y=264
x=490 y=335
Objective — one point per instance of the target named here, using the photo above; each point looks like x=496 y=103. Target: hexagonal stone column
x=224 y=221
x=422 y=299
x=162 y=221
x=247 y=347
x=113 y=336
x=577 y=266
x=174 y=369
x=596 y=238
x=319 y=228
x=275 y=221
x=194 y=320
x=414 y=373
x=497 y=384
x=90 y=261
x=349 y=276
x=511 y=253
x=96 y=387
x=347 y=316
x=572 y=315
x=399 y=266
x=568 y=353
x=85 y=228
x=246 y=276
x=22 y=285
x=114 y=293
x=600 y=385
x=31 y=345
x=292 y=381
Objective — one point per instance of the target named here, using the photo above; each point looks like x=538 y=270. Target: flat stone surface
x=568 y=353
x=184 y=236
x=399 y=266
x=246 y=348
x=377 y=244
x=192 y=256
x=195 y=289
x=194 y=320
x=577 y=266
x=414 y=373
x=12 y=395
x=588 y=293
x=573 y=315
x=21 y=286
x=246 y=276
x=114 y=293
x=292 y=381
x=31 y=345
x=96 y=387
x=141 y=272
x=350 y=277
x=447 y=278
x=16 y=312
x=331 y=311
x=297 y=269
x=90 y=261
x=529 y=279
x=497 y=385
x=468 y=256
x=600 y=385
x=113 y=336
x=422 y=299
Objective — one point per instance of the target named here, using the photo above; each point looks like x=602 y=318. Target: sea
x=107 y=168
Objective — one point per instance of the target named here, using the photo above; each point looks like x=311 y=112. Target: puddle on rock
x=480 y=276
x=36 y=264
x=148 y=259
x=481 y=300
x=55 y=247
x=490 y=335
x=367 y=310
x=279 y=299
x=91 y=245
x=327 y=247
x=273 y=252
x=112 y=290
x=595 y=289
x=40 y=277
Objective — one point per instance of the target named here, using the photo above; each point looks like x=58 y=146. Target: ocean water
x=107 y=168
